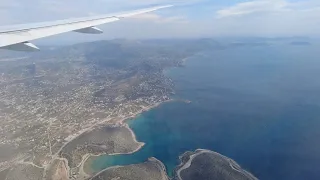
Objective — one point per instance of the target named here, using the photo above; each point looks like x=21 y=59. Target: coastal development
x=60 y=107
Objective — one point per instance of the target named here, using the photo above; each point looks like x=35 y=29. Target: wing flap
x=89 y=30
x=25 y=46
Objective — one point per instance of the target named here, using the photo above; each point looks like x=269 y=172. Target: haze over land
x=60 y=94
x=253 y=94
x=63 y=104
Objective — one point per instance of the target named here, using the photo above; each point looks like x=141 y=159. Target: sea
x=259 y=105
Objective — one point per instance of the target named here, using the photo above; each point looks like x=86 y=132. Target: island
x=206 y=164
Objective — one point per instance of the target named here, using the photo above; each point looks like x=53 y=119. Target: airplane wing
x=17 y=37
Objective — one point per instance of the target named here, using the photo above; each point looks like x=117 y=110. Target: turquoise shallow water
x=257 y=105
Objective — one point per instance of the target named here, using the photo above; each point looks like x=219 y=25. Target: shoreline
x=144 y=110
x=158 y=163
x=120 y=121
x=233 y=164
x=123 y=123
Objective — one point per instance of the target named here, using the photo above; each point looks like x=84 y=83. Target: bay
x=257 y=105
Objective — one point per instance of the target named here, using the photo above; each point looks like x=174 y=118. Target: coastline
x=157 y=163
x=88 y=171
x=85 y=169
x=145 y=109
x=233 y=164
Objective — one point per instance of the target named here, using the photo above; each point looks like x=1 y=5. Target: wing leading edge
x=17 y=37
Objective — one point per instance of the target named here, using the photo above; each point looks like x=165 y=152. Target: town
x=50 y=98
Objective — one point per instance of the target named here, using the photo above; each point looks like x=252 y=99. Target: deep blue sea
x=257 y=105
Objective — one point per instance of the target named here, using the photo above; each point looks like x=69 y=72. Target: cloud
x=156 y=18
x=42 y=10
x=254 y=7
x=269 y=18
x=197 y=18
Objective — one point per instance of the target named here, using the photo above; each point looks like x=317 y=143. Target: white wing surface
x=17 y=37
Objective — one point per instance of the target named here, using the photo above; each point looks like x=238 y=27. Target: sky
x=192 y=18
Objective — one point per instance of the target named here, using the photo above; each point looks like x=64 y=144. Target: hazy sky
x=197 y=18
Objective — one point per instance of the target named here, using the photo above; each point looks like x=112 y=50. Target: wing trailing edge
x=89 y=30
x=25 y=46
x=17 y=37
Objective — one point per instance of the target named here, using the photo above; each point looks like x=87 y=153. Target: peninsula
x=60 y=105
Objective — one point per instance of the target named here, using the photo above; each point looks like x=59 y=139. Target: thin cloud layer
x=197 y=18
x=271 y=18
x=253 y=7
